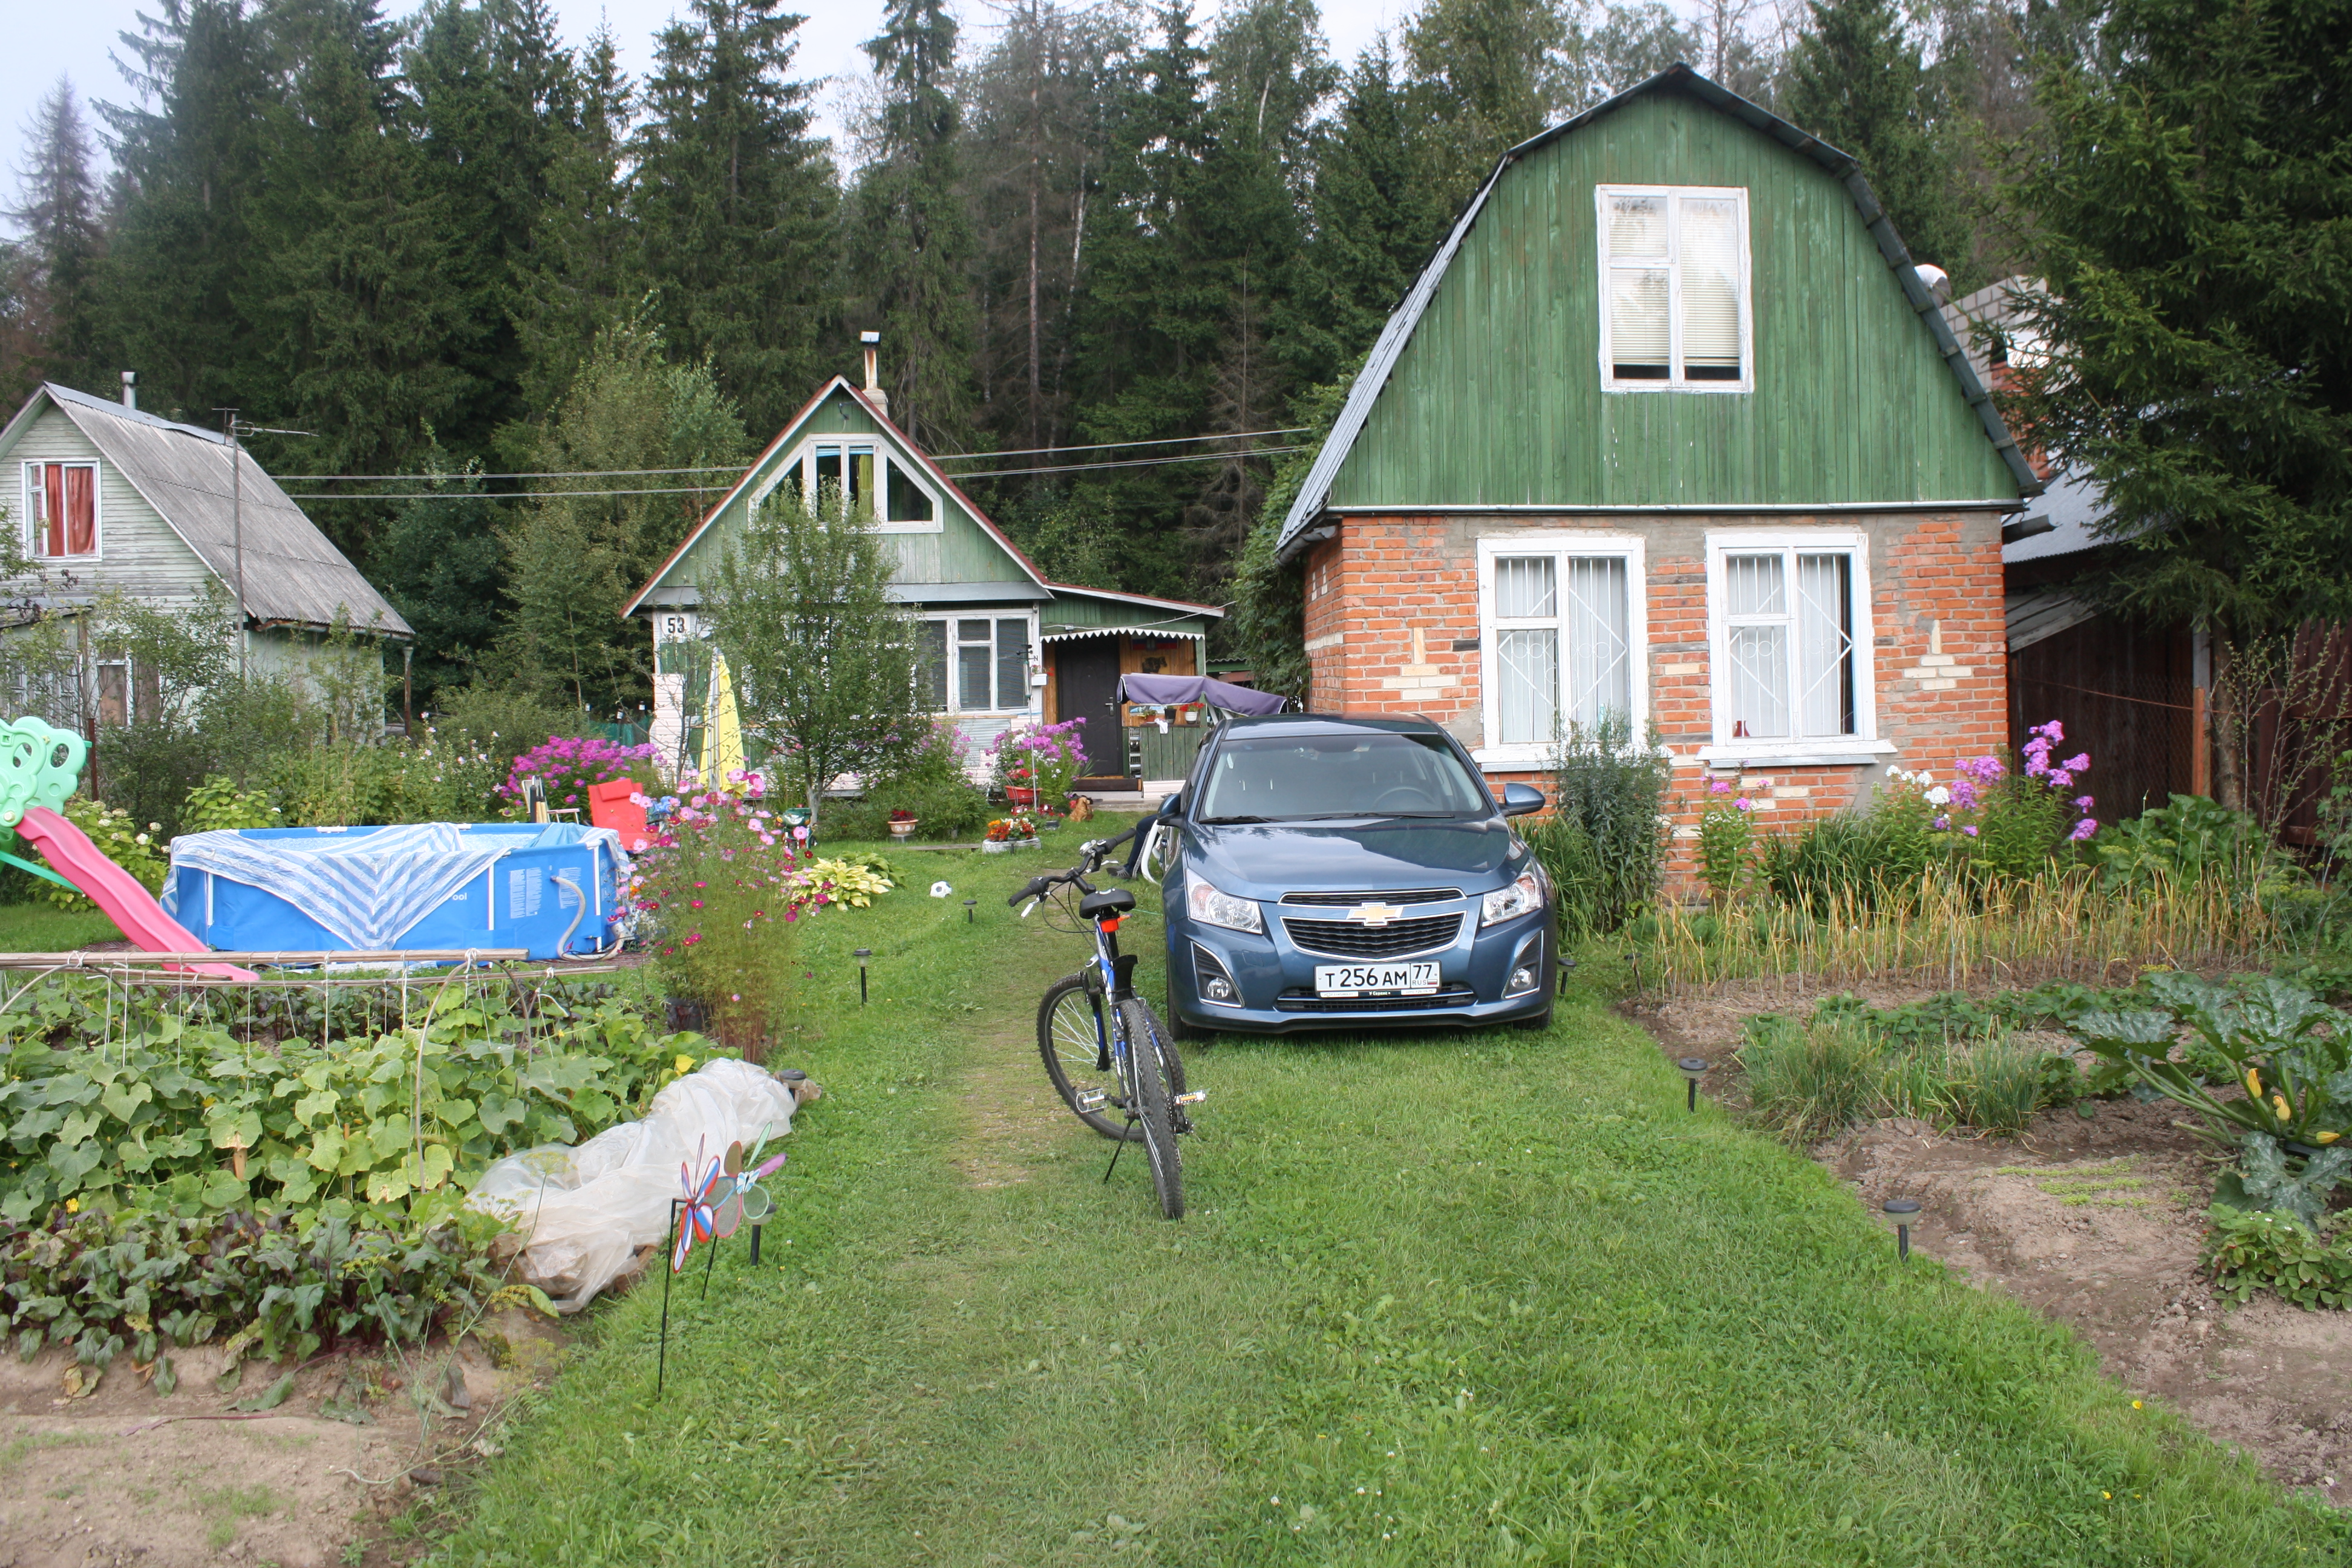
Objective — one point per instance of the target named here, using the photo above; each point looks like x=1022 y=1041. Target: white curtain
x=1754 y=587
x=1825 y=644
x=1600 y=667
x=1526 y=658
x=1710 y=269
x=1637 y=227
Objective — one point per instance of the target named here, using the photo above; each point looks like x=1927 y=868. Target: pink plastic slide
x=117 y=891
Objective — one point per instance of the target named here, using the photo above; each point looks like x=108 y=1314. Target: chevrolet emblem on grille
x=1374 y=914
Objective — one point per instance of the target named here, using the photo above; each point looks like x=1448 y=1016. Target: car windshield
x=1364 y=772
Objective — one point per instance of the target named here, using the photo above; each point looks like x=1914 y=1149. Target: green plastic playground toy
x=38 y=766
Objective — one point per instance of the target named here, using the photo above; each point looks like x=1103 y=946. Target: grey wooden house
x=107 y=499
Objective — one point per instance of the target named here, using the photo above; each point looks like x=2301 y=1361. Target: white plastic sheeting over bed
x=587 y=1210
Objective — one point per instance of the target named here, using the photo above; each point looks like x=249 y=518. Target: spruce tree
x=189 y=166
x=58 y=207
x=1377 y=221
x=1856 y=81
x=910 y=238
x=440 y=563
x=578 y=273
x=734 y=204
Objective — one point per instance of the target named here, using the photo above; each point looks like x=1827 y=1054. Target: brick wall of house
x=1392 y=624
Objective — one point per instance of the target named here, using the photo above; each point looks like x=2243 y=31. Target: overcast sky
x=49 y=40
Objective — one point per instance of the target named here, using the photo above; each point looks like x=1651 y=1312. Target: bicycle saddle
x=1110 y=901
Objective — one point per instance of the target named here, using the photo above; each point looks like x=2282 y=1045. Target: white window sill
x=906 y=527
x=1848 y=753
x=1514 y=758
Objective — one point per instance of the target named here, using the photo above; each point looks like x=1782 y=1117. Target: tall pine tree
x=910 y=244
x=1855 y=79
x=733 y=203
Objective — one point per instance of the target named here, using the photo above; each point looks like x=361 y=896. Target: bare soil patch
x=2098 y=1222
x=118 y=1475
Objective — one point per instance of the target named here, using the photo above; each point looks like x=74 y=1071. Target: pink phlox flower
x=1719 y=787
x=2085 y=803
x=1744 y=804
x=1970 y=830
x=2078 y=764
x=2060 y=779
x=1941 y=823
x=1964 y=794
x=2083 y=829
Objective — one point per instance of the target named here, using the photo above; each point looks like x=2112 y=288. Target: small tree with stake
x=827 y=667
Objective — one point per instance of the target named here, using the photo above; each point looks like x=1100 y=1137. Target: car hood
x=1266 y=860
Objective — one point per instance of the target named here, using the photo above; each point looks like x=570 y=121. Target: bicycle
x=1108 y=1054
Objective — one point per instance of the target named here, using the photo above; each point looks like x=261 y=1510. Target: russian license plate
x=1376 y=979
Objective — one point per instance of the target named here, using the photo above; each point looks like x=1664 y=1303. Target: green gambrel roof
x=1473 y=379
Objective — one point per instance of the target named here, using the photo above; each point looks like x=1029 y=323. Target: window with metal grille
x=1561 y=639
x=1675 y=309
x=1789 y=613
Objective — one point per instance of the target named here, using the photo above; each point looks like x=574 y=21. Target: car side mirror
x=1519 y=800
x=1172 y=806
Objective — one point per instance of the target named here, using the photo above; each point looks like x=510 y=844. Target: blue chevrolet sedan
x=1340 y=873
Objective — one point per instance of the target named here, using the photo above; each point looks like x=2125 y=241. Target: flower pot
x=902 y=829
x=996 y=845
x=1020 y=797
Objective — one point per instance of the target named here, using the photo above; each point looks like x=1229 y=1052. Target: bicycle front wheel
x=1071 y=1035
x=1157 y=1080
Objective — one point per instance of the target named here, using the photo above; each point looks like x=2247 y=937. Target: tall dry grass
x=1947 y=930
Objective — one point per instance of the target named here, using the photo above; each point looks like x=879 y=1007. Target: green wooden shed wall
x=1497 y=399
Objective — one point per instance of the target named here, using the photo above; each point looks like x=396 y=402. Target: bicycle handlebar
x=1091 y=856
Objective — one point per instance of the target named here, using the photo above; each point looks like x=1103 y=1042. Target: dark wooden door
x=1086 y=682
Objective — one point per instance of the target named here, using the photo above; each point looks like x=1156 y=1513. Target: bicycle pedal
x=1091 y=1100
x=1192 y=1097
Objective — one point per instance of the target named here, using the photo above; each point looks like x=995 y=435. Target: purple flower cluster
x=566 y=766
x=2060 y=777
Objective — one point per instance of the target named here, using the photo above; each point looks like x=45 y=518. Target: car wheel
x=1178 y=1029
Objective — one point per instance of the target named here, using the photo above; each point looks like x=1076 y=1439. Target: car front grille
x=1350 y=900
x=1348 y=939
x=1307 y=1002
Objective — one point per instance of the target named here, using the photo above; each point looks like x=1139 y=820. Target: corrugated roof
x=293 y=574
x=1370 y=382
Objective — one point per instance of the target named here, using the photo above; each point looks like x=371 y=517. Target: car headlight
x=1523 y=897
x=1213 y=907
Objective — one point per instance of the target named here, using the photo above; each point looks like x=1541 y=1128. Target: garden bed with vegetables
x=2096 y=1208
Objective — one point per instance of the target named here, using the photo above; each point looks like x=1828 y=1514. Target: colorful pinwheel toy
x=697 y=1220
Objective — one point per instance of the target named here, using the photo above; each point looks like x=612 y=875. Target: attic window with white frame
x=861 y=473
x=60 y=509
x=1561 y=635
x=1789 y=614
x=1675 y=307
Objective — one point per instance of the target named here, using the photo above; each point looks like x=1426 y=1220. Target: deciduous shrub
x=218 y=806
x=137 y=848
x=1604 y=843
x=932 y=786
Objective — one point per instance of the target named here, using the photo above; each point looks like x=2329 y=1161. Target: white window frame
x=1673 y=381
x=1562 y=544
x=27 y=485
x=1865 y=744
x=1030 y=697
x=803 y=462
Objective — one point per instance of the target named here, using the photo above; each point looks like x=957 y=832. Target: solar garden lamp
x=968 y=904
x=1694 y=1069
x=861 y=954
x=1904 y=1213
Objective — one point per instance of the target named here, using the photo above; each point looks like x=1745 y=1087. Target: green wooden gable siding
x=962 y=551
x=1497 y=398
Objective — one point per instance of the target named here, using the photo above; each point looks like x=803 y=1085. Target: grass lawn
x=44 y=927
x=1443 y=1299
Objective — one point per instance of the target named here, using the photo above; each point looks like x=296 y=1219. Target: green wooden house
x=1671 y=428
x=1005 y=643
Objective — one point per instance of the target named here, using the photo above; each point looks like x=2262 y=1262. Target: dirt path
x=121 y=1476
x=2098 y=1223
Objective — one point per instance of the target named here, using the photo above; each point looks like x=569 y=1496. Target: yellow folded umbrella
x=722 y=731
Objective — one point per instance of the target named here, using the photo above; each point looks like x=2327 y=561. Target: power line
x=1113 y=446
x=705 y=490
x=736 y=467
